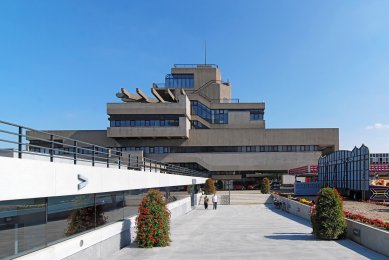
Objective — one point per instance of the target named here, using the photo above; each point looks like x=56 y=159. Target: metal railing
x=226 y=101
x=25 y=141
x=195 y=66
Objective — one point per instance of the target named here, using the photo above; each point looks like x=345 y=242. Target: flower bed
x=357 y=217
x=373 y=222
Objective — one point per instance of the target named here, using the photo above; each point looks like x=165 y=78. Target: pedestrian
x=214 y=201
x=206 y=202
x=313 y=213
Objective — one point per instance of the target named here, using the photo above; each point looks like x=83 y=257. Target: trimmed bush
x=153 y=221
x=328 y=219
x=209 y=187
x=265 y=186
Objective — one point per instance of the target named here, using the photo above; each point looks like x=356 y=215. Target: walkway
x=246 y=232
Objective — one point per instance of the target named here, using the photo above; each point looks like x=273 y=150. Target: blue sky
x=314 y=63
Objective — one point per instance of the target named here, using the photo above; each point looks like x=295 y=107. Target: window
x=256 y=114
x=22 y=225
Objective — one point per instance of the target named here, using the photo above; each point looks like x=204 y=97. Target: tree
x=153 y=221
x=209 y=187
x=265 y=187
x=328 y=220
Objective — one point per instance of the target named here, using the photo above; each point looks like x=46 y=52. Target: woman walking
x=206 y=202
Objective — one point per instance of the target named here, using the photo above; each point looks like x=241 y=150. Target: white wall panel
x=24 y=178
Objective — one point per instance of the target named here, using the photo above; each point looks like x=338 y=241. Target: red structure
x=379 y=168
x=312 y=169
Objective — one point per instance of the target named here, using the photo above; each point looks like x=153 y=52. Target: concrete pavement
x=246 y=232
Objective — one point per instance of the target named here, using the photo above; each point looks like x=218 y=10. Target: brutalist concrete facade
x=193 y=121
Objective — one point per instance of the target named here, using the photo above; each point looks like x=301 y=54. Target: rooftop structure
x=193 y=121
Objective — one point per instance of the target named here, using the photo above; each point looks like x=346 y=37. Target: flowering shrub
x=328 y=219
x=153 y=221
x=305 y=201
x=374 y=222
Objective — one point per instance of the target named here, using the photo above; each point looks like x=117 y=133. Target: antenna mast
x=205 y=48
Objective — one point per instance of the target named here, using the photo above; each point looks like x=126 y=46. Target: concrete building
x=193 y=121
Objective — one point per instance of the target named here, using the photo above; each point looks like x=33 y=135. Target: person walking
x=214 y=201
x=312 y=213
x=206 y=202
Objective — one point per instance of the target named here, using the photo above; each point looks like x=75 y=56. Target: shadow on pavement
x=359 y=249
x=288 y=215
x=292 y=236
x=304 y=236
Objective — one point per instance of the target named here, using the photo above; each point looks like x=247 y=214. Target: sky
x=316 y=64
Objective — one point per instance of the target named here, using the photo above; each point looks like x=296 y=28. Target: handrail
x=70 y=149
x=196 y=66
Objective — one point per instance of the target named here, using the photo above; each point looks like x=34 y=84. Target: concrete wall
x=102 y=242
x=243 y=161
x=21 y=177
x=368 y=236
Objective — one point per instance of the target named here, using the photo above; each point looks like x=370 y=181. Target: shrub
x=328 y=219
x=265 y=187
x=209 y=187
x=153 y=221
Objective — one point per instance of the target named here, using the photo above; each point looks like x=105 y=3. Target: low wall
x=368 y=236
x=102 y=242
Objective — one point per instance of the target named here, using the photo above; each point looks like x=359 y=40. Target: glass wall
x=179 y=81
x=220 y=116
x=31 y=224
x=22 y=226
x=69 y=215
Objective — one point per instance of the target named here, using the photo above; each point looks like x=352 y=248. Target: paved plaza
x=246 y=232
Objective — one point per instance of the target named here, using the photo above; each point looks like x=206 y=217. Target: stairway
x=239 y=198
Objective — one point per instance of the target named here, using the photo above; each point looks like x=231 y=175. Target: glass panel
x=22 y=226
x=69 y=215
x=132 y=200
x=109 y=207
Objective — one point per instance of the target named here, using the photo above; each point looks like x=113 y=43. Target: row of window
x=32 y=224
x=221 y=149
x=144 y=123
x=220 y=116
x=183 y=149
x=213 y=116
x=379 y=160
x=379 y=155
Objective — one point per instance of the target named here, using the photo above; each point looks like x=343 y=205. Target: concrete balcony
x=136 y=108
